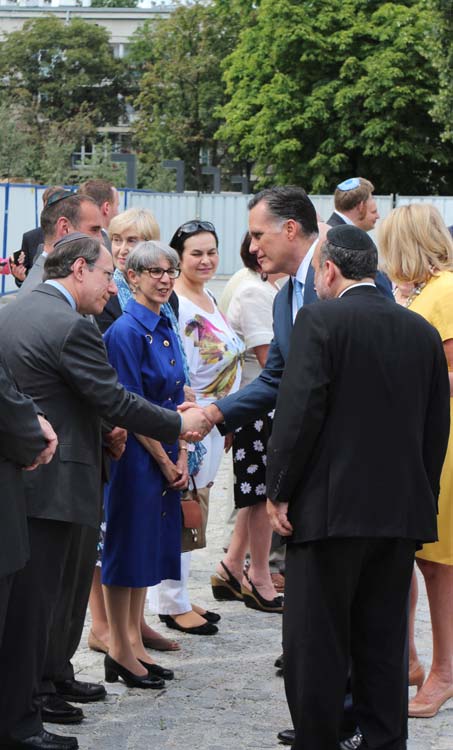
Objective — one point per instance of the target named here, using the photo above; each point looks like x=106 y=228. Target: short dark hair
x=100 y=190
x=179 y=237
x=249 y=259
x=58 y=265
x=68 y=207
x=346 y=200
x=353 y=264
x=289 y=202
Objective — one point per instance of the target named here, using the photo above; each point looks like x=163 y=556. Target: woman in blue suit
x=142 y=499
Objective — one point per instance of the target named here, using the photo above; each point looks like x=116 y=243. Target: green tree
x=319 y=91
x=16 y=149
x=442 y=58
x=177 y=64
x=59 y=69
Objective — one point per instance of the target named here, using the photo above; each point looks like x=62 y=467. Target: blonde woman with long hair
x=417 y=253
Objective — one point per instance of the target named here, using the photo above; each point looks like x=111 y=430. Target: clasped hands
x=198 y=421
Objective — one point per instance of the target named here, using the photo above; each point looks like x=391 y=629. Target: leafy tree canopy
x=319 y=91
x=178 y=62
x=59 y=68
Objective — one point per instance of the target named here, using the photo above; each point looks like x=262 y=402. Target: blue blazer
x=260 y=396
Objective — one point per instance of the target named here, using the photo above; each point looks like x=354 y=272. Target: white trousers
x=171 y=597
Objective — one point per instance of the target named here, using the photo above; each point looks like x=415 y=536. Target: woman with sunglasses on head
x=142 y=498
x=125 y=231
x=214 y=355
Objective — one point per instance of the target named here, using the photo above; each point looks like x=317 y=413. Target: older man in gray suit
x=60 y=359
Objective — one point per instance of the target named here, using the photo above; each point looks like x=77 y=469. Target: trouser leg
x=71 y=607
x=29 y=616
x=379 y=643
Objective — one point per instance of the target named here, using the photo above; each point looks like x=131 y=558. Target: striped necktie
x=299 y=290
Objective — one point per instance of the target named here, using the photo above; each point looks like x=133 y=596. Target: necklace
x=418 y=288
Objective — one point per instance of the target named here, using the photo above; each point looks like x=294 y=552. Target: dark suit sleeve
x=84 y=366
x=258 y=397
x=437 y=423
x=301 y=405
x=21 y=438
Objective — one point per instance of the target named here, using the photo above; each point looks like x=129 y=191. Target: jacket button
x=166 y=343
x=173 y=362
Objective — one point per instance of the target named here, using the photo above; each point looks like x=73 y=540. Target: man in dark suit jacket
x=23 y=443
x=354 y=204
x=60 y=359
x=354 y=497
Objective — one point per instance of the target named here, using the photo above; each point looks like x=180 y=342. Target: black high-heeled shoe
x=113 y=670
x=165 y=674
x=254 y=600
x=226 y=589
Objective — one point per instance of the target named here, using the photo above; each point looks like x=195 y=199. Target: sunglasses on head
x=60 y=195
x=195 y=226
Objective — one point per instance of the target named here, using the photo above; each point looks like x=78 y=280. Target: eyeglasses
x=109 y=274
x=157 y=273
x=59 y=195
x=194 y=226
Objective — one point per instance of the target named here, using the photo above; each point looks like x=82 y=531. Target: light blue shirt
x=64 y=292
x=301 y=274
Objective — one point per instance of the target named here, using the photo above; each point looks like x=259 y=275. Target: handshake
x=198 y=421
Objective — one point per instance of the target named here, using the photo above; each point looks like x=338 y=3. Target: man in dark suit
x=354 y=204
x=60 y=359
x=26 y=440
x=353 y=497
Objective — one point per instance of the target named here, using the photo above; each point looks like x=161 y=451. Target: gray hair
x=59 y=264
x=147 y=253
x=289 y=202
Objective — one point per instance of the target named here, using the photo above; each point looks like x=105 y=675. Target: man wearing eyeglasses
x=59 y=357
x=65 y=212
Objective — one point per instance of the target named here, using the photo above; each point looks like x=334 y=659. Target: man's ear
x=78 y=268
x=361 y=209
x=292 y=229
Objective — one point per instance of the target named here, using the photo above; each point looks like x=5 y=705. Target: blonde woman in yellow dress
x=417 y=254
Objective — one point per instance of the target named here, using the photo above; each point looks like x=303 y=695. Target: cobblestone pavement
x=226 y=694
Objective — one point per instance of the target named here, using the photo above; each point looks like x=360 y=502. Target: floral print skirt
x=249 y=461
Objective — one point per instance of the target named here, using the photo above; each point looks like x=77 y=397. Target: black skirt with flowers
x=249 y=461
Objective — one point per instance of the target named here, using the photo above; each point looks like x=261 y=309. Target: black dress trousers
x=5 y=589
x=347 y=598
x=31 y=608
x=71 y=607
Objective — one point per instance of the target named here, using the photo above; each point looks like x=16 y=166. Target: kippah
x=71 y=237
x=350 y=237
x=350 y=184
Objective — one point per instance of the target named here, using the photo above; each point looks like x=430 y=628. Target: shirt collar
x=143 y=315
x=354 y=286
x=302 y=271
x=346 y=219
x=64 y=292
